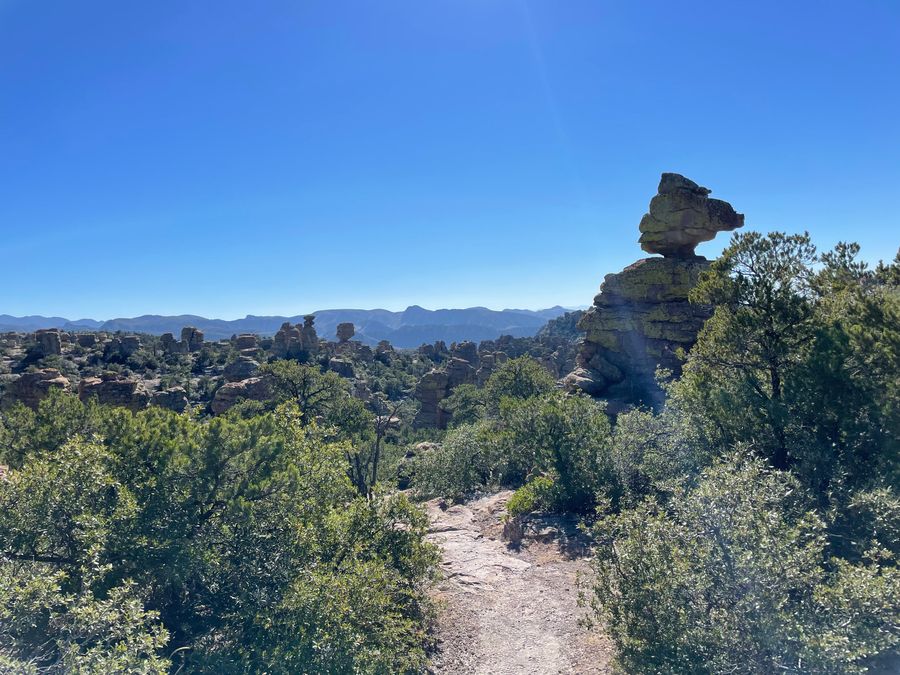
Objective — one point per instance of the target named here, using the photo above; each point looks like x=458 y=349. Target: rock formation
x=112 y=389
x=32 y=388
x=297 y=342
x=682 y=216
x=191 y=338
x=173 y=398
x=438 y=384
x=642 y=316
x=86 y=340
x=241 y=368
x=49 y=342
x=345 y=331
x=246 y=341
x=251 y=389
x=342 y=367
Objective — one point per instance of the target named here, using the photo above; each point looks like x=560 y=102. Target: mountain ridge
x=404 y=329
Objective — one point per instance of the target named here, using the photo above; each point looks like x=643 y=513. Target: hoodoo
x=642 y=316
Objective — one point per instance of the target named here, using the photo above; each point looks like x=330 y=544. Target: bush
x=466 y=462
x=731 y=576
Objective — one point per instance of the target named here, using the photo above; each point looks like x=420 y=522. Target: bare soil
x=511 y=609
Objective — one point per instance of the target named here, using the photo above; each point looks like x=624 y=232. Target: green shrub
x=466 y=462
x=531 y=497
x=731 y=575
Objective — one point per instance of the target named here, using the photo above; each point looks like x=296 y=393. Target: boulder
x=345 y=331
x=682 y=215
x=241 y=368
x=86 y=340
x=32 y=388
x=246 y=341
x=251 y=389
x=173 y=398
x=342 y=367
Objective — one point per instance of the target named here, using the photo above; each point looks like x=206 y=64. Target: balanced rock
x=642 y=319
x=32 y=388
x=345 y=331
x=682 y=215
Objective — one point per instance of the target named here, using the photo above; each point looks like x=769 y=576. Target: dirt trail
x=508 y=611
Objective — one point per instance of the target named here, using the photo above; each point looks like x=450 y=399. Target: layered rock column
x=642 y=318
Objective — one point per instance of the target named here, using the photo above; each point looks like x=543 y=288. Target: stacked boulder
x=642 y=318
x=297 y=342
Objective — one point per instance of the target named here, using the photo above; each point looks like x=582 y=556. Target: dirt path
x=508 y=611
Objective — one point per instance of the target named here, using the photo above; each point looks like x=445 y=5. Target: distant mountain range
x=409 y=328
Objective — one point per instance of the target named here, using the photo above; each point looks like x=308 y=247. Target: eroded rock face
x=642 y=318
x=110 y=389
x=682 y=215
x=32 y=388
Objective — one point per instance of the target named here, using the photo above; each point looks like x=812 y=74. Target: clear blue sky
x=224 y=158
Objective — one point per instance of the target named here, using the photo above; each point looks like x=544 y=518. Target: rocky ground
x=511 y=609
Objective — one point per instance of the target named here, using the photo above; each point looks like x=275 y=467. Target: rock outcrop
x=297 y=342
x=439 y=383
x=242 y=368
x=191 y=339
x=32 y=388
x=343 y=367
x=49 y=342
x=642 y=318
x=111 y=389
x=246 y=341
x=173 y=398
x=251 y=389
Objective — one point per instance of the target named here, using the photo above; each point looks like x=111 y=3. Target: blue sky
x=225 y=158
